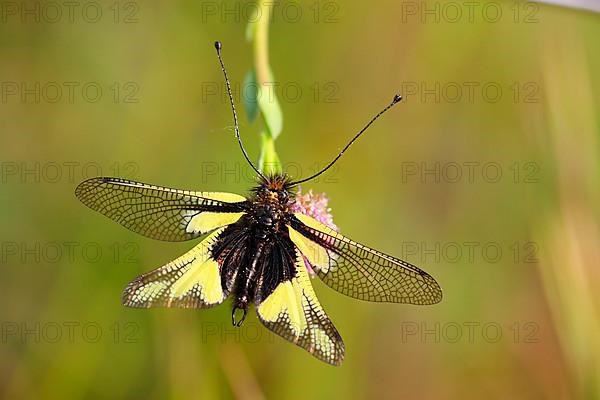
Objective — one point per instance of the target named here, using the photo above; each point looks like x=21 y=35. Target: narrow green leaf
x=268 y=163
x=249 y=95
x=269 y=105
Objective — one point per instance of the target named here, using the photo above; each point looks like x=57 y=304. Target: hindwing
x=287 y=305
x=193 y=280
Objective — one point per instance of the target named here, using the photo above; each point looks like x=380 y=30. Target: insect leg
x=233 y=312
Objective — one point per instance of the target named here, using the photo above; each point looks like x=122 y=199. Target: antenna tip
x=397 y=98
x=218 y=45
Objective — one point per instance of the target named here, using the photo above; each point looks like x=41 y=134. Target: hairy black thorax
x=256 y=253
x=270 y=205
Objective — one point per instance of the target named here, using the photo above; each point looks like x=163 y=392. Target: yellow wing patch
x=207 y=221
x=221 y=196
x=313 y=223
x=316 y=255
x=293 y=311
x=201 y=277
x=285 y=301
x=190 y=281
x=149 y=291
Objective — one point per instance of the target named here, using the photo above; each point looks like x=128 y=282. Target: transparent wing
x=157 y=212
x=359 y=271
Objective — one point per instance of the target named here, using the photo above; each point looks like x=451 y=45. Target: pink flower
x=313 y=205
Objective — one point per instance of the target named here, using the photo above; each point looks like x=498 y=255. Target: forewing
x=191 y=281
x=288 y=306
x=158 y=212
x=359 y=271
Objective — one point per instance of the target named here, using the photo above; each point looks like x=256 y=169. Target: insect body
x=255 y=249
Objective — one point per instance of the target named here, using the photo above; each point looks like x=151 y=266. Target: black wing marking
x=233 y=252
x=366 y=274
x=153 y=211
x=287 y=304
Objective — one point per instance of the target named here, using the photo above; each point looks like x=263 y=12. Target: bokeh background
x=521 y=324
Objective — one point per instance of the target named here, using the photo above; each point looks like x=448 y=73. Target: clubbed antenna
x=218 y=46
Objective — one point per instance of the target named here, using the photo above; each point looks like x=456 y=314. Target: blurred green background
x=523 y=324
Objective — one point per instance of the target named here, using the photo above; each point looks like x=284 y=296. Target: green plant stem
x=261 y=42
x=268 y=160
